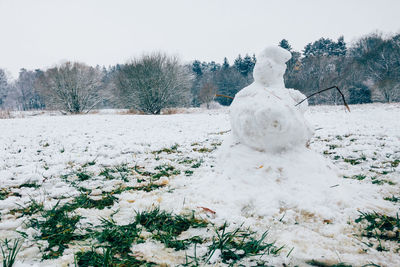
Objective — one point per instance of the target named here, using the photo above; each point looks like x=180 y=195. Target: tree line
x=367 y=71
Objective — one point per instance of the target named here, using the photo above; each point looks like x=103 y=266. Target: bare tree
x=379 y=61
x=153 y=82
x=207 y=93
x=27 y=97
x=3 y=86
x=71 y=87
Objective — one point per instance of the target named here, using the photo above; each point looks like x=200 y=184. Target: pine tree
x=285 y=45
x=196 y=68
x=238 y=62
x=321 y=47
x=254 y=59
x=247 y=65
x=340 y=47
x=212 y=66
x=225 y=65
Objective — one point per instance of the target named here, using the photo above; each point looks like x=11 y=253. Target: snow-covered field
x=80 y=174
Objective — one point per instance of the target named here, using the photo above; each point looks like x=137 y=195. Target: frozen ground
x=111 y=167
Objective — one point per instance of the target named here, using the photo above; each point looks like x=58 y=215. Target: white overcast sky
x=42 y=33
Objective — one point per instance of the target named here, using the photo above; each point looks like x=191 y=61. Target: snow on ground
x=174 y=162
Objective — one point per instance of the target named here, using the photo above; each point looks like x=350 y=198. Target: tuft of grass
x=57 y=227
x=115 y=241
x=392 y=199
x=380 y=227
x=332 y=147
x=192 y=261
x=166 y=227
x=33 y=208
x=123 y=170
x=216 y=144
x=83 y=201
x=89 y=163
x=240 y=243
x=395 y=163
x=204 y=149
x=107 y=259
x=93 y=258
x=338 y=137
x=106 y=172
x=164 y=170
x=171 y=241
x=186 y=160
x=197 y=165
x=83 y=176
x=118 y=237
x=29 y=185
x=188 y=172
x=10 y=251
x=3 y=193
x=322 y=264
x=157 y=220
x=172 y=149
x=147 y=188
x=359 y=177
x=381 y=182
x=352 y=161
x=142 y=173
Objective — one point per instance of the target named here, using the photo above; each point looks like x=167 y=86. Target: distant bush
x=359 y=94
x=71 y=87
x=152 y=83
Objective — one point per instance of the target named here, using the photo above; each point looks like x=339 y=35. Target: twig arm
x=323 y=90
x=218 y=95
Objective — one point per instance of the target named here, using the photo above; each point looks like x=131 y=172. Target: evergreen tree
x=225 y=65
x=340 y=47
x=245 y=65
x=285 y=45
x=212 y=66
x=254 y=59
x=321 y=47
x=197 y=68
x=238 y=62
x=326 y=47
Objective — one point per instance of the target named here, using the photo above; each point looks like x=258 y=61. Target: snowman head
x=271 y=66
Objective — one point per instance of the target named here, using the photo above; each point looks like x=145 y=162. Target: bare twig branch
x=217 y=95
x=323 y=90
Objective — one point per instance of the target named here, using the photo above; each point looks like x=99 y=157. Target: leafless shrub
x=207 y=94
x=5 y=114
x=153 y=82
x=71 y=87
x=171 y=111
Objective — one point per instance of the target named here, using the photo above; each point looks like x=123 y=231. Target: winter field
x=134 y=190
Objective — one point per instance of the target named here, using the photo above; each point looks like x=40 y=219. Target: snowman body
x=263 y=115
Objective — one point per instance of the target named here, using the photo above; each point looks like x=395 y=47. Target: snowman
x=264 y=164
x=263 y=115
